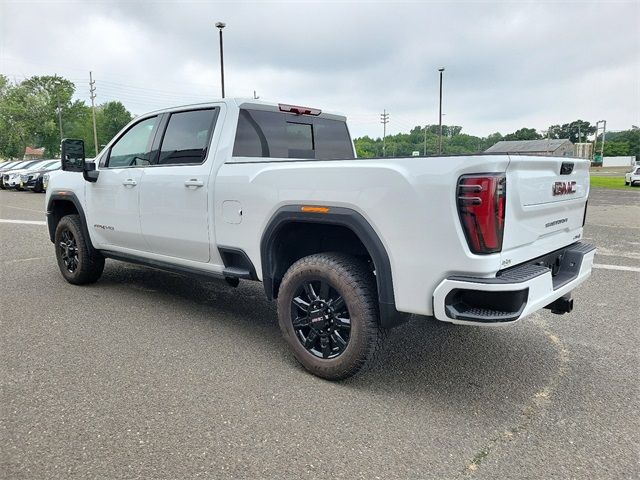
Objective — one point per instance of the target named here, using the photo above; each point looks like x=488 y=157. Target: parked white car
x=243 y=189
x=12 y=178
x=633 y=177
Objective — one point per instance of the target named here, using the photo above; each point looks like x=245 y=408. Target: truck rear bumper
x=515 y=292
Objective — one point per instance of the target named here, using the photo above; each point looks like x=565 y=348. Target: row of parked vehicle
x=27 y=174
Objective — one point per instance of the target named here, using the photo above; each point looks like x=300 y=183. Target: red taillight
x=481 y=204
x=299 y=110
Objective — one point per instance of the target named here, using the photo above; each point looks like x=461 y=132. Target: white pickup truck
x=349 y=247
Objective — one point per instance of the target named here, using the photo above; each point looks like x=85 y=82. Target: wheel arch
x=338 y=221
x=66 y=203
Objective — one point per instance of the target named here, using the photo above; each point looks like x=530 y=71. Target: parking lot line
x=24 y=260
x=26 y=222
x=616 y=267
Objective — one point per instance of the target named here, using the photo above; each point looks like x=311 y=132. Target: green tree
x=111 y=117
x=523 y=134
x=571 y=131
x=616 y=148
x=632 y=137
x=29 y=114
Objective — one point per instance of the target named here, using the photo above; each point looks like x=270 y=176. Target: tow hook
x=562 y=305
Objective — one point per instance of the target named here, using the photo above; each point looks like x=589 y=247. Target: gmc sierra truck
x=349 y=247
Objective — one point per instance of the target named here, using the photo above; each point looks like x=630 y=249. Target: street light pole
x=220 y=26
x=441 y=69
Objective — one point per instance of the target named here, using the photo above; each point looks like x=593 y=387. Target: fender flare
x=354 y=221
x=69 y=197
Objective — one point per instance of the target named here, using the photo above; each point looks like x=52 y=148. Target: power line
x=384 y=119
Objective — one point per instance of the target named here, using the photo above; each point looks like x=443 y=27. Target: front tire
x=328 y=314
x=78 y=262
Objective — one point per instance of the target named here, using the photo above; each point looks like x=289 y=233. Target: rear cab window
x=270 y=134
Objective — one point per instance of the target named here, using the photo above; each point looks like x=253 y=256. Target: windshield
x=28 y=164
x=54 y=166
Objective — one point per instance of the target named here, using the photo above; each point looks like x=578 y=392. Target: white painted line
x=23 y=260
x=25 y=222
x=616 y=267
x=22 y=208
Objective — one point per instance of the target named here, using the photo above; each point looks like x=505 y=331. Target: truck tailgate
x=546 y=201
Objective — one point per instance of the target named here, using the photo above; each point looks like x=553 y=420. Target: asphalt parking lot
x=148 y=374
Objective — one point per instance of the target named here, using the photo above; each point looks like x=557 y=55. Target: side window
x=260 y=134
x=187 y=137
x=132 y=149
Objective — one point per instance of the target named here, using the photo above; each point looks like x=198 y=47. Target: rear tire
x=78 y=262
x=328 y=314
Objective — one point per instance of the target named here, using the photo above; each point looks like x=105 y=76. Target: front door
x=113 y=200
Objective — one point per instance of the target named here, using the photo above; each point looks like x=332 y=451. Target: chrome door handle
x=129 y=182
x=194 y=182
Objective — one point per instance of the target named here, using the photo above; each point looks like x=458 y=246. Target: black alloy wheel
x=79 y=263
x=68 y=250
x=321 y=319
x=328 y=314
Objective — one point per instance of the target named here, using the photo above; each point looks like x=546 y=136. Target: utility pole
x=92 y=92
x=60 y=119
x=220 y=26
x=441 y=69
x=579 y=133
x=425 y=141
x=384 y=119
x=548 y=140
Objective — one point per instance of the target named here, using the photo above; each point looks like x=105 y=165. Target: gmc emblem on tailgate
x=563 y=188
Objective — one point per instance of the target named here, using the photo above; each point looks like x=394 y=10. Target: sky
x=507 y=64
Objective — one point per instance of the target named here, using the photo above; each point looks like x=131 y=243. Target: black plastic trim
x=484 y=306
x=389 y=315
x=169 y=267
x=564 y=265
x=566 y=168
x=243 y=269
x=65 y=196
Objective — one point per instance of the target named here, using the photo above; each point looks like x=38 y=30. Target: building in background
x=584 y=150
x=552 y=147
x=31 y=153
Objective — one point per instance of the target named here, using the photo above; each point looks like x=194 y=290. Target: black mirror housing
x=72 y=153
x=89 y=172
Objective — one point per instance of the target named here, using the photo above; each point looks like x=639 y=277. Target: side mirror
x=72 y=152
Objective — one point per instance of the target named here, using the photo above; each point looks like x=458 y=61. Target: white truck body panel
x=411 y=204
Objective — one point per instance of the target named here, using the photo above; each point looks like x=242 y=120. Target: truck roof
x=240 y=102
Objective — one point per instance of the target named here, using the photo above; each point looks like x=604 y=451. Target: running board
x=227 y=273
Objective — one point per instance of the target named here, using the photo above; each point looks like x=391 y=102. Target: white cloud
x=508 y=64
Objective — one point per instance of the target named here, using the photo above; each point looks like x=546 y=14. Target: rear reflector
x=299 y=110
x=311 y=209
x=481 y=205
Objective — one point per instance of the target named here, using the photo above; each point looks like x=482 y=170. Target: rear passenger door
x=175 y=188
